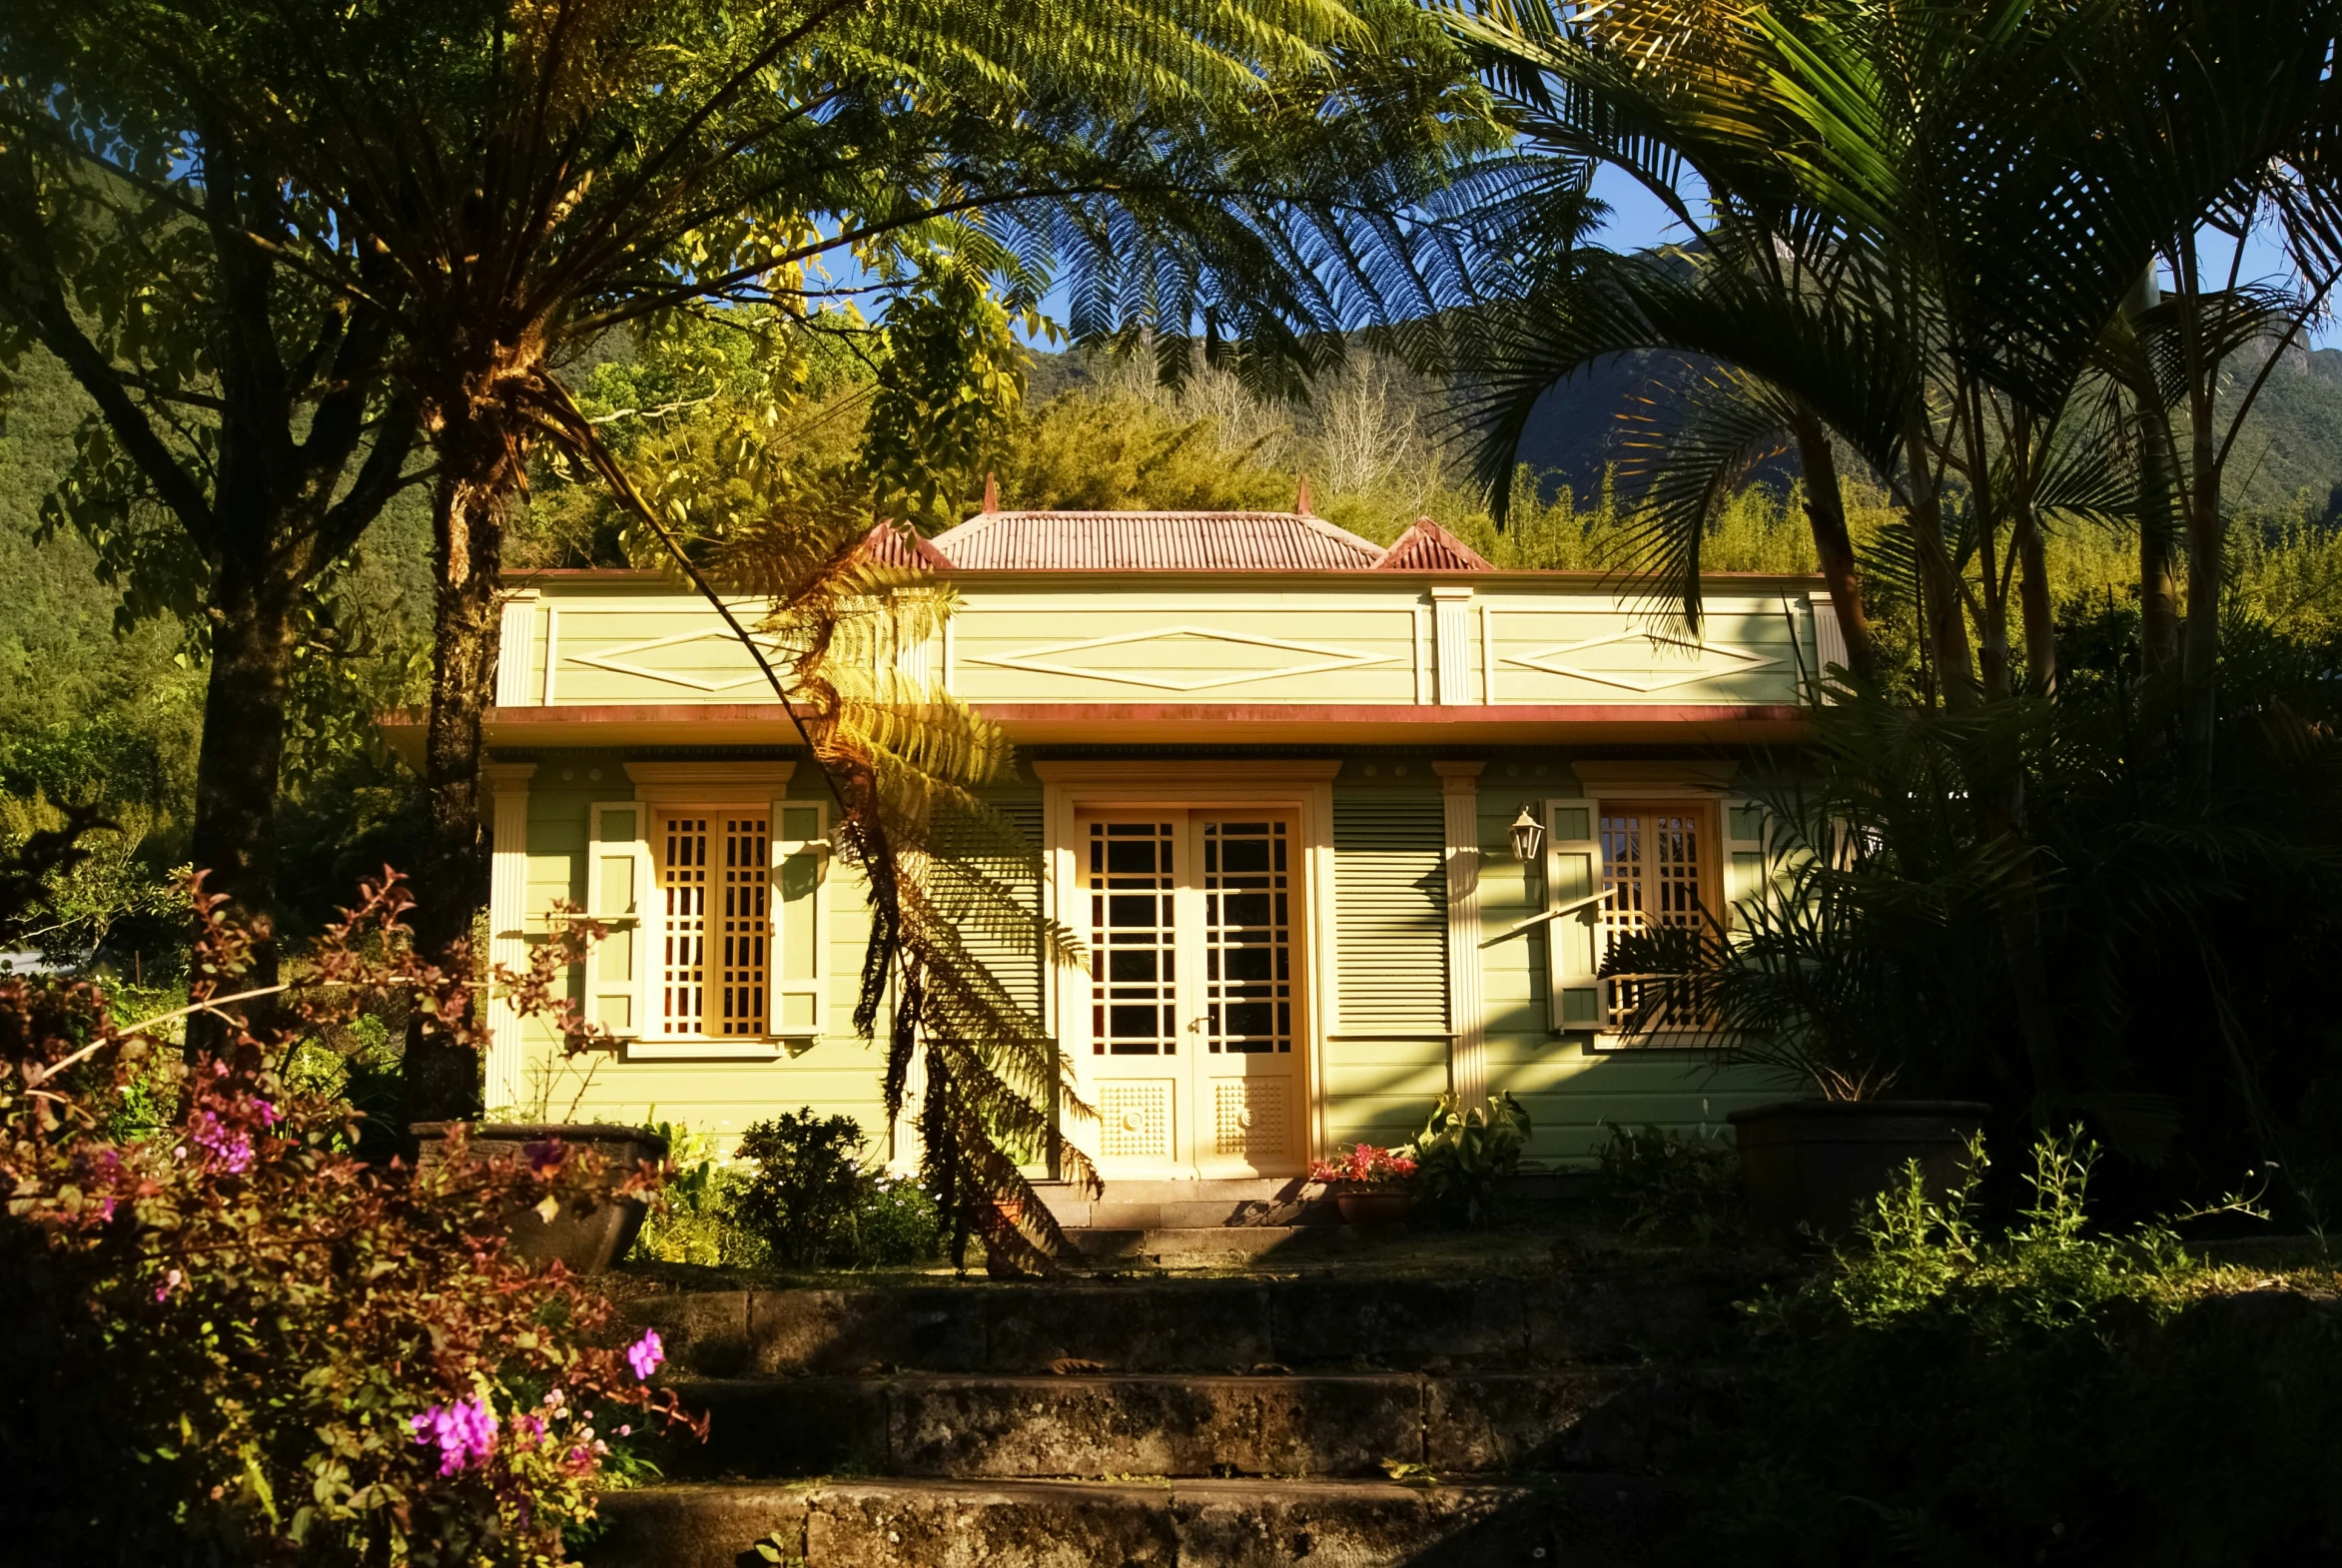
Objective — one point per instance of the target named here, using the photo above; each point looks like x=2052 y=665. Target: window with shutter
x=1390 y=900
x=1659 y=870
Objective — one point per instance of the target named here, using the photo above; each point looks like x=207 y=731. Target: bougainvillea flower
x=645 y=1355
x=466 y=1432
x=230 y=1149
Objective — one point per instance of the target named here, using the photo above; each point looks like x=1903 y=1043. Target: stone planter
x=586 y=1237
x=1371 y=1210
x=1819 y=1163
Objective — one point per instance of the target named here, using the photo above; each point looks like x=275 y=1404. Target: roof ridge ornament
x=1301 y=499
x=992 y=493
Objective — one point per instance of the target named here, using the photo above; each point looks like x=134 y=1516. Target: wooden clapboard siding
x=837 y=1075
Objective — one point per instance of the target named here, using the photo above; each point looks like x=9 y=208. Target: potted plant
x=588 y=1235
x=1462 y=1155
x=622 y=1164
x=1369 y=1184
x=1821 y=978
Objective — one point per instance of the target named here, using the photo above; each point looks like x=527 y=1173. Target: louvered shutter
x=617 y=893
x=800 y=917
x=1746 y=864
x=1391 y=909
x=1573 y=941
x=1015 y=957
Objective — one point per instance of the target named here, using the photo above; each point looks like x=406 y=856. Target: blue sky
x=1638 y=220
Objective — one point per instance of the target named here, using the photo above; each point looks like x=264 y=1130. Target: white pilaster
x=1452 y=612
x=1466 y=997
x=512 y=647
x=1829 y=635
x=507 y=922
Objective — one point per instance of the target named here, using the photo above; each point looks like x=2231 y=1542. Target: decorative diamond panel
x=687 y=659
x=1248 y=1118
x=1180 y=658
x=1134 y=1120
x=1637 y=661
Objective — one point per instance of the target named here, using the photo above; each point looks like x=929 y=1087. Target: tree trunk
x=1825 y=514
x=2032 y=592
x=1943 y=612
x=234 y=830
x=2201 y=654
x=2158 y=585
x=481 y=471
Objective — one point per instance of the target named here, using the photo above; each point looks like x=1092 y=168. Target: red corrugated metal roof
x=892 y=545
x=1154 y=541
x=1426 y=547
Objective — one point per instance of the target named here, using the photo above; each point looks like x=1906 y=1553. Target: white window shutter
x=800 y=947
x=618 y=892
x=1745 y=862
x=1573 y=941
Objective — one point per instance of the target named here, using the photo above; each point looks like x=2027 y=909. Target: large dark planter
x=588 y=1237
x=1819 y=1163
x=1372 y=1210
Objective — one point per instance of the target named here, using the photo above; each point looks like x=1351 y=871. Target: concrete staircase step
x=1168 y=1325
x=1577 y=1522
x=1090 y=1424
x=1203 y=1247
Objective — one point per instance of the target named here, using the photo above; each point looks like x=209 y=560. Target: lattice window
x=1247 y=937
x=1657 y=863
x=1132 y=971
x=715 y=887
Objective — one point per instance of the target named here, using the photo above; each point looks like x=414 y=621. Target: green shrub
x=810 y=1202
x=690 y=1220
x=1668 y=1185
x=896 y=1221
x=1461 y=1154
x=2045 y=1394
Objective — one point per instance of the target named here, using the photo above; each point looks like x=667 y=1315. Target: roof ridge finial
x=1301 y=497
x=992 y=493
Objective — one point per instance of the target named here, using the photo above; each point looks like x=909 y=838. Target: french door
x=1196 y=998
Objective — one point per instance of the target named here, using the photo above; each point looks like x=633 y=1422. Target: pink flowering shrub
x=229 y=1340
x=1363 y=1165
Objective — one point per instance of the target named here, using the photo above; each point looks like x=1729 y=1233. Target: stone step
x=1208 y=1247
x=1574 y=1522
x=1088 y=1425
x=1128 y=1205
x=1205 y=1325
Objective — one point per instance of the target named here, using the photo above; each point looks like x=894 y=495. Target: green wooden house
x=1276 y=774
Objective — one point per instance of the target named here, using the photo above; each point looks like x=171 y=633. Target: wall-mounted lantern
x=1528 y=836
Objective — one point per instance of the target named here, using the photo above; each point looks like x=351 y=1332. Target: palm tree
x=1968 y=195
x=536 y=177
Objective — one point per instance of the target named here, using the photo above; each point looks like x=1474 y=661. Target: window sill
x=725 y=1047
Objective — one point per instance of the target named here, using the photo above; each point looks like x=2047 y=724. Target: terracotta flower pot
x=1821 y=1163
x=587 y=1238
x=1369 y=1209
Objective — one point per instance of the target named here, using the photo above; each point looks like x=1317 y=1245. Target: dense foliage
x=1946 y=1392
x=811 y=1201
x=231 y=1338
